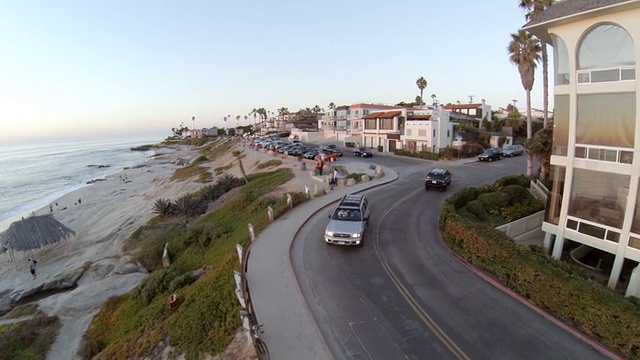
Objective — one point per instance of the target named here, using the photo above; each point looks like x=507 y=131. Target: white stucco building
x=595 y=158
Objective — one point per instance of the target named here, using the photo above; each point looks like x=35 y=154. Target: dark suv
x=362 y=152
x=437 y=178
x=490 y=155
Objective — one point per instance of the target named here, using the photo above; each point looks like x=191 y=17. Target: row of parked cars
x=498 y=153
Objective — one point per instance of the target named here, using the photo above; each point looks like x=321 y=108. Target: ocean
x=35 y=175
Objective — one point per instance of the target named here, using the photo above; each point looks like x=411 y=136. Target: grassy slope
x=208 y=314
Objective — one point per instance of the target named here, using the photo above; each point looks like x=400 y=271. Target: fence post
x=289 y=201
x=251 y=233
x=307 y=191
x=270 y=213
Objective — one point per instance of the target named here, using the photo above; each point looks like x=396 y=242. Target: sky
x=72 y=69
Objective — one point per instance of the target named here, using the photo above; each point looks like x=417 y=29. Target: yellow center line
x=424 y=316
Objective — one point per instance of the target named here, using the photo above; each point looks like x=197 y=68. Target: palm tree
x=238 y=155
x=237 y=120
x=524 y=52
x=422 y=84
x=245 y=119
x=534 y=9
x=193 y=118
x=225 y=121
x=316 y=109
x=433 y=97
x=332 y=106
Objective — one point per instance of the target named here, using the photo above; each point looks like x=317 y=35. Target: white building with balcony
x=595 y=161
x=427 y=130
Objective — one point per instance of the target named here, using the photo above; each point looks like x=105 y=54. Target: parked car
x=437 y=178
x=327 y=156
x=490 y=155
x=333 y=149
x=311 y=154
x=513 y=150
x=362 y=152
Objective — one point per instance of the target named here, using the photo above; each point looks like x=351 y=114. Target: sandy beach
x=91 y=264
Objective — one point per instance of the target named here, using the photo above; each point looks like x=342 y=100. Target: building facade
x=595 y=159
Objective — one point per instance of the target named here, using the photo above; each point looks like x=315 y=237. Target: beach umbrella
x=34 y=232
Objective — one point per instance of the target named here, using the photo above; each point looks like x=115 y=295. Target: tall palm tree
x=524 y=52
x=245 y=119
x=316 y=109
x=422 y=84
x=534 y=9
x=238 y=155
x=332 y=106
x=193 y=118
x=433 y=97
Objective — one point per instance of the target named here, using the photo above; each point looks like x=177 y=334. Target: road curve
x=403 y=295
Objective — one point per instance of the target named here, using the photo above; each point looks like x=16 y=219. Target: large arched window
x=561 y=61
x=606 y=53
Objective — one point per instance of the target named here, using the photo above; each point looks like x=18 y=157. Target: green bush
x=155 y=284
x=516 y=194
x=200 y=159
x=512 y=180
x=428 y=155
x=476 y=208
x=463 y=197
x=493 y=202
x=522 y=209
x=449 y=153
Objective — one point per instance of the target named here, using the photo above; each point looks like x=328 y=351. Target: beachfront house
x=594 y=201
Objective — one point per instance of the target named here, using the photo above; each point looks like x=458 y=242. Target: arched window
x=561 y=60
x=606 y=53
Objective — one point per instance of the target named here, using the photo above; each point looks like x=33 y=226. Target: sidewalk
x=290 y=331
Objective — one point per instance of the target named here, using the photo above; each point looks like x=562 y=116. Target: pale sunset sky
x=71 y=69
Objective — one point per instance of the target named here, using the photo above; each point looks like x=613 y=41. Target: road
x=403 y=295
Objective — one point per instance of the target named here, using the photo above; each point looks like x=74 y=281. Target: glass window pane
x=561 y=61
x=605 y=75
x=606 y=119
x=610 y=155
x=591 y=230
x=626 y=157
x=613 y=236
x=599 y=197
x=606 y=46
x=594 y=154
x=572 y=224
x=634 y=242
x=584 y=78
x=554 y=200
x=560 y=125
x=581 y=152
x=628 y=74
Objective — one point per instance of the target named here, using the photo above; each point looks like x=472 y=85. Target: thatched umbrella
x=34 y=232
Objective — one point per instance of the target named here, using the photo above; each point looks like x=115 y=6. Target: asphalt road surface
x=403 y=295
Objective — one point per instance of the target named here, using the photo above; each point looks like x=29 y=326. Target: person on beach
x=32 y=267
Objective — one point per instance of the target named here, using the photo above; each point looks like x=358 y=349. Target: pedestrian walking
x=319 y=166
x=335 y=177
x=32 y=267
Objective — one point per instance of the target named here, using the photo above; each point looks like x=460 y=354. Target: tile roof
x=383 y=115
x=567 y=8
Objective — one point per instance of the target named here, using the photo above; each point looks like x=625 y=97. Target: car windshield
x=435 y=176
x=347 y=215
x=488 y=151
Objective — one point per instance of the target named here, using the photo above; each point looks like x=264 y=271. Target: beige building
x=596 y=138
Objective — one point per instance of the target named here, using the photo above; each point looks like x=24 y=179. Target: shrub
x=212 y=192
x=522 y=209
x=270 y=163
x=449 y=153
x=428 y=155
x=512 y=180
x=186 y=205
x=226 y=182
x=463 y=196
x=476 y=208
x=162 y=207
x=516 y=193
x=494 y=202
x=155 y=284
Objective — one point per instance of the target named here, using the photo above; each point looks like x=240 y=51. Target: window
x=422 y=132
x=606 y=119
x=606 y=53
x=386 y=124
x=561 y=61
x=554 y=200
x=448 y=133
x=599 y=197
x=560 y=125
x=370 y=124
x=434 y=133
x=365 y=112
x=408 y=132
